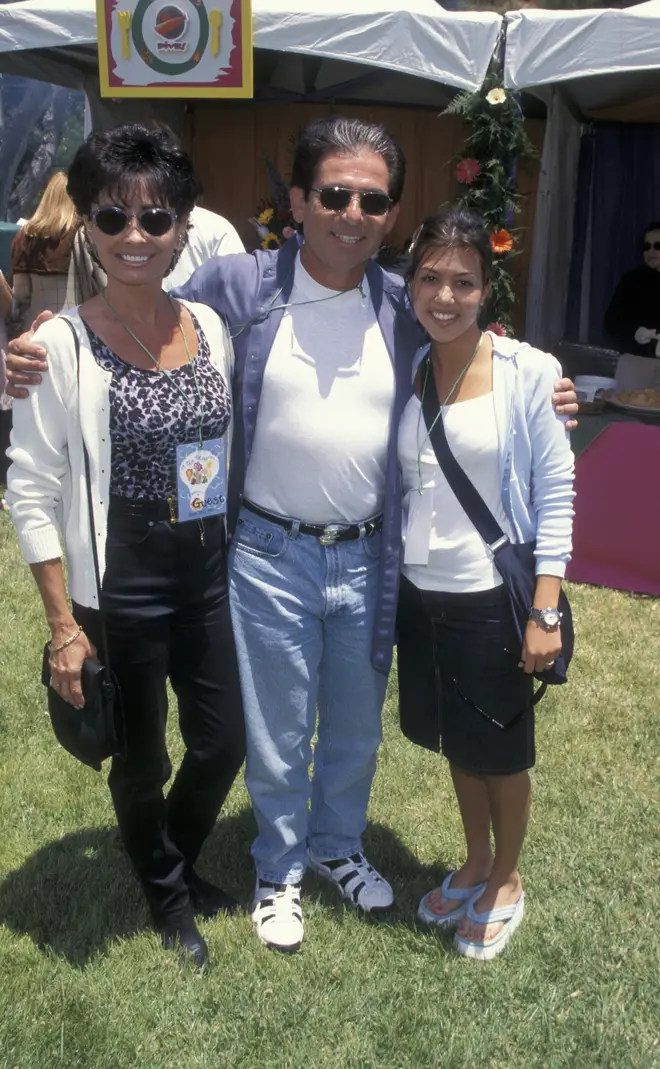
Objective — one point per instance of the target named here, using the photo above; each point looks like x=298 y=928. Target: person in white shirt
x=209 y=234
x=464 y=682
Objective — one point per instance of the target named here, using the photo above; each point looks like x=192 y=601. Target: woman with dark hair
x=462 y=673
x=633 y=317
x=142 y=384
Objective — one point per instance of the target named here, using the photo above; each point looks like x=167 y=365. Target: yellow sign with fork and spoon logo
x=175 y=48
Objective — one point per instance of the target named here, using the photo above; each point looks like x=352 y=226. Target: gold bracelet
x=67 y=642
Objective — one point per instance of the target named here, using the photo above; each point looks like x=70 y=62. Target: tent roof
x=605 y=61
x=423 y=41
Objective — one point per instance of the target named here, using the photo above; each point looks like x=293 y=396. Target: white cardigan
x=46 y=488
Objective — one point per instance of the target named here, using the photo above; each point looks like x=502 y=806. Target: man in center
x=313 y=597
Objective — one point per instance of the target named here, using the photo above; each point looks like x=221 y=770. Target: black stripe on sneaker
x=356 y=892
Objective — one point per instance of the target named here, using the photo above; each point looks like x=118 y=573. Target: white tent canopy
x=602 y=60
x=423 y=41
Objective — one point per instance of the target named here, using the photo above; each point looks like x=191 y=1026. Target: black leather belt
x=328 y=534
x=161 y=509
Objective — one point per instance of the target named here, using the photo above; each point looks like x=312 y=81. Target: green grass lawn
x=84 y=983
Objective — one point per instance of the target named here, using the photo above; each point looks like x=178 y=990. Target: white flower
x=496 y=96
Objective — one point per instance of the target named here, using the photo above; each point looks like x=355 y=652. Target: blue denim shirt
x=249 y=292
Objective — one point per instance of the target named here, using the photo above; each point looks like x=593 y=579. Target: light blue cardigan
x=535 y=459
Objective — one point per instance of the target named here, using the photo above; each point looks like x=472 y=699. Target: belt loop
x=294 y=531
x=363 y=530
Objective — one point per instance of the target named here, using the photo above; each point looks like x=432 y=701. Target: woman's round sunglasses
x=338 y=198
x=155 y=222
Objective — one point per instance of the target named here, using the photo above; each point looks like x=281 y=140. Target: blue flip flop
x=484 y=950
x=461 y=895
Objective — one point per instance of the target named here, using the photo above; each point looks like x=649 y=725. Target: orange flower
x=501 y=241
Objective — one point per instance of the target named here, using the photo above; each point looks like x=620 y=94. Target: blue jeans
x=303 y=617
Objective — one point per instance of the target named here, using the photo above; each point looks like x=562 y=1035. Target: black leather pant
x=166 y=606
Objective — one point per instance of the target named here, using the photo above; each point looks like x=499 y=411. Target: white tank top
x=442 y=549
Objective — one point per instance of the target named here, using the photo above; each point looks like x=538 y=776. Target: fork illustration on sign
x=215 y=19
x=124 y=23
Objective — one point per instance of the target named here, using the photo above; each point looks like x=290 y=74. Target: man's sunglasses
x=156 y=222
x=648 y=245
x=338 y=198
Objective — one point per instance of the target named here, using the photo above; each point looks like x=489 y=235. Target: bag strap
x=92 y=525
x=468 y=496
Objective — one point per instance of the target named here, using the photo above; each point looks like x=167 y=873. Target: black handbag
x=95 y=732
x=514 y=561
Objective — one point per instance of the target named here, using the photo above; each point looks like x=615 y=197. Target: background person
x=633 y=317
x=154 y=374
x=461 y=669
x=41 y=255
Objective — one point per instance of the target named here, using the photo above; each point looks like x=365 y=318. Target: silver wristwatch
x=548 y=619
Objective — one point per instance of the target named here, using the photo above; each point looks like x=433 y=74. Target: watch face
x=551 y=617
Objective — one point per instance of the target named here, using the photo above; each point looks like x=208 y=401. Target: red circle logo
x=171 y=23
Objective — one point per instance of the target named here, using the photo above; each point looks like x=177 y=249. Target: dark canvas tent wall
x=589 y=67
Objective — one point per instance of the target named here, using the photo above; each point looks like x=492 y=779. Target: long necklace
x=446 y=401
x=170 y=378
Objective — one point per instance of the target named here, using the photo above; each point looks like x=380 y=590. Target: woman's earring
x=91 y=249
x=180 y=246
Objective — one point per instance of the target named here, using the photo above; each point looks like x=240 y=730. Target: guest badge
x=201 y=477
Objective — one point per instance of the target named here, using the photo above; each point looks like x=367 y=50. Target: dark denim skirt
x=460 y=687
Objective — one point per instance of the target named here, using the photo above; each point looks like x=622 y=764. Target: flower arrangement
x=273 y=220
x=486 y=171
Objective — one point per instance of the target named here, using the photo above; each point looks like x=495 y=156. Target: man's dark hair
x=340 y=136
x=650 y=227
x=114 y=161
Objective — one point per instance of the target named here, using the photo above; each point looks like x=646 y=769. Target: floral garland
x=274 y=221
x=486 y=169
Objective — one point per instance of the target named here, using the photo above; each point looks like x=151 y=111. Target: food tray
x=638 y=410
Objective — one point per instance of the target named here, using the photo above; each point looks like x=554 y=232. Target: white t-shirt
x=210 y=235
x=442 y=549
x=320 y=447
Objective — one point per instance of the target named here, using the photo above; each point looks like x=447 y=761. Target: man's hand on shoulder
x=565 y=401
x=25 y=360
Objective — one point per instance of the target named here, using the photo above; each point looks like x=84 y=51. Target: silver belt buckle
x=330 y=534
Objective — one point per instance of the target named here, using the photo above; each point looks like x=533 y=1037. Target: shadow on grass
x=77 y=895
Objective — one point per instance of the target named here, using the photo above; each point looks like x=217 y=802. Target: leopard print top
x=149 y=418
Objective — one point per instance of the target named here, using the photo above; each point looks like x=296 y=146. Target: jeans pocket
x=371 y=545
x=128 y=530
x=266 y=541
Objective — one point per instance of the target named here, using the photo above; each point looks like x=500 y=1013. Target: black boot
x=207 y=899
x=179 y=932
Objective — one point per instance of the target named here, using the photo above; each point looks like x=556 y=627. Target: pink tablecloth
x=616 y=540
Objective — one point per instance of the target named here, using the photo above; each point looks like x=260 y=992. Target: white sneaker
x=357 y=882
x=277 y=915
